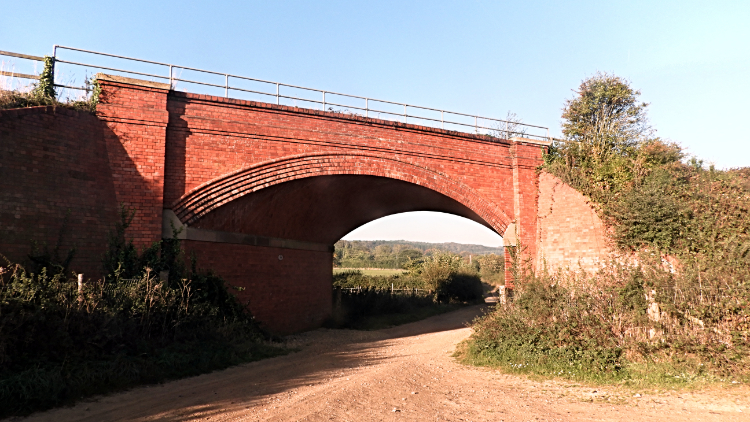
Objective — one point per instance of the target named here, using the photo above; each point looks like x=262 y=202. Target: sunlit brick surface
x=255 y=168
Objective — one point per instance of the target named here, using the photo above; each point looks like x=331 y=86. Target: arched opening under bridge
x=277 y=241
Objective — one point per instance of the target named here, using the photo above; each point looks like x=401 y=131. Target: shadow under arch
x=288 y=214
x=204 y=200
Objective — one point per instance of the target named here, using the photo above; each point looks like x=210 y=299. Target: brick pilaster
x=136 y=117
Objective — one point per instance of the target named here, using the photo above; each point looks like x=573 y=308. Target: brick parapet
x=348 y=117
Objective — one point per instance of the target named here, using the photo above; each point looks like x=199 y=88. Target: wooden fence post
x=80 y=288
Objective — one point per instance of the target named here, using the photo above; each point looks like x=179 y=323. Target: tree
x=511 y=127
x=605 y=118
x=605 y=128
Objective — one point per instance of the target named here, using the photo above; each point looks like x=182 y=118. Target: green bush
x=424 y=290
x=59 y=344
x=680 y=308
x=450 y=277
x=610 y=325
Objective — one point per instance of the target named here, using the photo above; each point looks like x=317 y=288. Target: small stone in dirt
x=395 y=410
x=414 y=392
x=637 y=395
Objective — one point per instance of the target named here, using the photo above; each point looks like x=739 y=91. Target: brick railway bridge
x=261 y=192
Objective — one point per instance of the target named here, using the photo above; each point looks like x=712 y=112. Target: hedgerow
x=154 y=317
x=676 y=298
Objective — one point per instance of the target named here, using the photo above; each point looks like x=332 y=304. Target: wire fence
x=121 y=284
x=69 y=61
x=359 y=289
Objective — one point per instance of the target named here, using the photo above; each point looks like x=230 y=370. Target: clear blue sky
x=690 y=59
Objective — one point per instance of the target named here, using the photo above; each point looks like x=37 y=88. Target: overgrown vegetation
x=437 y=283
x=673 y=307
x=640 y=325
x=43 y=93
x=61 y=340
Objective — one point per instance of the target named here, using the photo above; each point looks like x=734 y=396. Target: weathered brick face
x=571 y=234
x=258 y=169
x=53 y=162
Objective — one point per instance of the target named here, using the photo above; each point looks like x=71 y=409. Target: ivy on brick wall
x=46 y=86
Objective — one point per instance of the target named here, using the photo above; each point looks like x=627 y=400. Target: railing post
x=476 y=127
x=54 y=59
x=171 y=84
x=404 y=113
x=226 y=85
x=442 y=121
x=277 y=93
x=367 y=108
x=324 y=101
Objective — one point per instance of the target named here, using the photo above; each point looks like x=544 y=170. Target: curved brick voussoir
x=211 y=195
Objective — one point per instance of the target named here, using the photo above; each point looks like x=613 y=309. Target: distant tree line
x=396 y=254
x=410 y=256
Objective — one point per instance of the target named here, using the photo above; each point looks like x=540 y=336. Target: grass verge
x=605 y=330
x=632 y=376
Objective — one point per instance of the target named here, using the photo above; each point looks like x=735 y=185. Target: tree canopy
x=605 y=118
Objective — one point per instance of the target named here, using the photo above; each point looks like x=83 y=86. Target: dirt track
x=404 y=373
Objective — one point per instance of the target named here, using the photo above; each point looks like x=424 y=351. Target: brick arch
x=201 y=200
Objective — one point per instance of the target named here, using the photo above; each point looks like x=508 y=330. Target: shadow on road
x=326 y=356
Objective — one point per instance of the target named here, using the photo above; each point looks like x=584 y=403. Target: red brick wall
x=526 y=159
x=153 y=149
x=285 y=296
x=53 y=160
x=210 y=138
x=571 y=234
x=136 y=119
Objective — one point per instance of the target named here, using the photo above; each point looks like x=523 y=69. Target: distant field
x=372 y=271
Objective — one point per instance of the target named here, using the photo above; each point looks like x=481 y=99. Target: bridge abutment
x=287 y=290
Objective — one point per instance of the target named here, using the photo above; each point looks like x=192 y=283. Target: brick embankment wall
x=285 y=295
x=54 y=161
x=570 y=233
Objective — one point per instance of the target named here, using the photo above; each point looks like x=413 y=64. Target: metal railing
x=366 y=106
x=28 y=76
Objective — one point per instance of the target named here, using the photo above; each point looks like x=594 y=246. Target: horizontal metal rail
x=21 y=56
x=18 y=75
x=27 y=76
x=504 y=127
